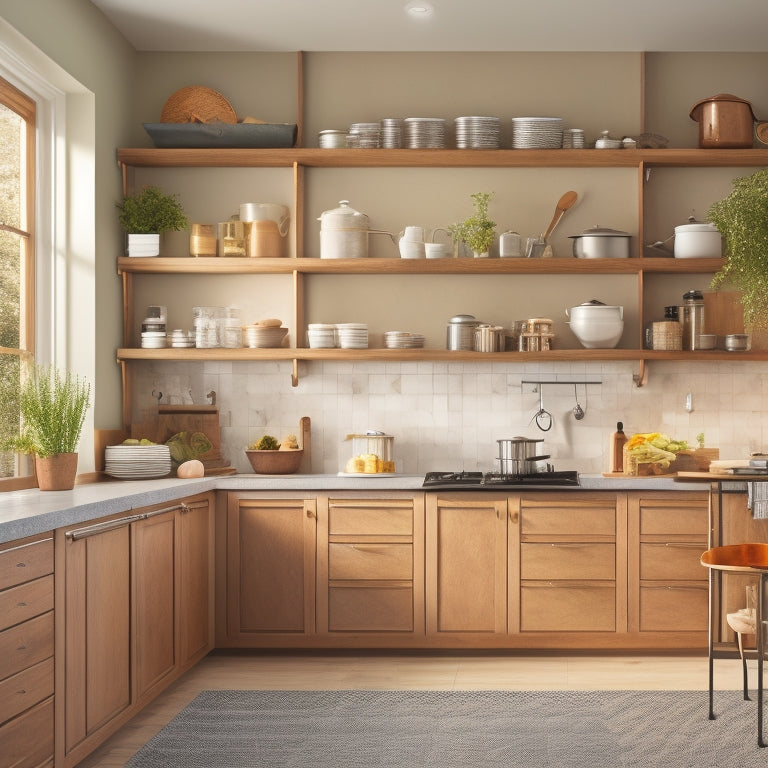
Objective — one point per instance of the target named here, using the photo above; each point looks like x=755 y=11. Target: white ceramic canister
x=698 y=240
x=343 y=233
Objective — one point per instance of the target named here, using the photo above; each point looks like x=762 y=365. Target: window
x=17 y=195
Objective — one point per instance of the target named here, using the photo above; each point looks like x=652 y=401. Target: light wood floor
x=438 y=671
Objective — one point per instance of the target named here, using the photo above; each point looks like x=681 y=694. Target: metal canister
x=460 y=332
x=488 y=338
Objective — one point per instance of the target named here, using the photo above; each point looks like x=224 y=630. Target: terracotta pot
x=56 y=473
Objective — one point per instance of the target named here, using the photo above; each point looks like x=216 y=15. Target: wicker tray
x=197 y=104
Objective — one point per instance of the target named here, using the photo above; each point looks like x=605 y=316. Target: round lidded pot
x=597 y=325
x=725 y=122
x=601 y=243
x=460 y=333
x=343 y=233
x=698 y=240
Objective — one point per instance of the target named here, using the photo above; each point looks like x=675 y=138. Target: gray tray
x=222 y=135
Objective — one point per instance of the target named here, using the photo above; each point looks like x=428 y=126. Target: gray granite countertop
x=30 y=512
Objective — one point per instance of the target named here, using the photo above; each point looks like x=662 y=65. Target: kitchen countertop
x=30 y=512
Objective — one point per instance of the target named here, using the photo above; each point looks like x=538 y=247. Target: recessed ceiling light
x=419 y=9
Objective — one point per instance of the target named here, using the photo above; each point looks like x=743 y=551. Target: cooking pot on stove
x=344 y=233
x=517 y=455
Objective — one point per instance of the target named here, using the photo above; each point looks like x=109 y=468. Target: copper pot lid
x=727 y=97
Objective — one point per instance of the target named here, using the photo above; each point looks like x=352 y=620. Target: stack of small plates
x=137 y=462
x=391 y=132
x=352 y=335
x=424 y=132
x=321 y=335
x=477 y=132
x=263 y=337
x=364 y=135
x=403 y=340
x=537 y=132
x=181 y=339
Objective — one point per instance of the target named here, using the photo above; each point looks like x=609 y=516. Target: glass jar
x=691 y=316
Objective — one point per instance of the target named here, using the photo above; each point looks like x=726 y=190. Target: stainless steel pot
x=601 y=243
x=344 y=233
x=517 y=455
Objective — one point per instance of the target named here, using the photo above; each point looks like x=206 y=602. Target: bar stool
x=752 y=559
x=743 y=622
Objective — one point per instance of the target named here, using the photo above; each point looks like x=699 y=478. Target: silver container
x=460 y=333
x=488 y=338
x=601 y=243
x=518 y=455
x=736 y=342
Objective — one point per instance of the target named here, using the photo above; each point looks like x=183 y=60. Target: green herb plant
x=151 y=211
x=742 y=218
x=53 y=407
x=478 y=231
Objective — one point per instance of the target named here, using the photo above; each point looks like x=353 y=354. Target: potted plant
x=146 y=215
x=52 y=408
x=478 y=231
x=742 y=218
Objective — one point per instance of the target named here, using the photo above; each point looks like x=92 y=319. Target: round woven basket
x=197 y=104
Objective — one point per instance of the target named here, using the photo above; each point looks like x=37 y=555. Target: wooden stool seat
x=748 y=558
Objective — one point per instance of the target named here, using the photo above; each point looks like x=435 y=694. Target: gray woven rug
x=457 y=729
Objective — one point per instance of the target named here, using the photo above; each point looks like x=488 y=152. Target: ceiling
x=455 y=25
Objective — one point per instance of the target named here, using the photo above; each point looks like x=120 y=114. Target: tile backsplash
x=448 y=416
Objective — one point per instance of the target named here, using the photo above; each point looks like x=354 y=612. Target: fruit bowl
x=275 y=462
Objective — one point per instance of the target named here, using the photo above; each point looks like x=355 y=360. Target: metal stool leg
x=760 y=649
x=740 y=642
x=711 y=642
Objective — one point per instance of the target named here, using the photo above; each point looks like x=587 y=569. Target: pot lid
x=593 y=303
x=719 y=97
x=343 y=217
x=463 y=320
x=602 y=232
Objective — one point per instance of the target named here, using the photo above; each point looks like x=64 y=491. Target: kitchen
x=444 y=415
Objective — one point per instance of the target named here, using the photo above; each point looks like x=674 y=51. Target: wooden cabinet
x=571 y=563
x=370 y=565
x=120 y=635
x=467 y=553
x=270 y=569
x=26 y=653
x=667 y=533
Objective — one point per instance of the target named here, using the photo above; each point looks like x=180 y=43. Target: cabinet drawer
x=584 y=521
x=567 y=561
x=671 y=561
x=674 y=518
x=25 y=689
x=20 y=603
x=390 y=518
x=24 y=563
x=28 y=740
x=370 y=609
x=370 y=561
x=26 y=644
x=674 y=607
x=564 y=607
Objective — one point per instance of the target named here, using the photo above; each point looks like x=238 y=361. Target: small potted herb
x=742 y=218
x=52 y=406
x=478 y=231
x=147 y=214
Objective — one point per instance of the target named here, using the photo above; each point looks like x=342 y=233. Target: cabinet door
x=194 y=585
x=466 y=585
x=96 y=625
x=153 y=600
x=270 y=566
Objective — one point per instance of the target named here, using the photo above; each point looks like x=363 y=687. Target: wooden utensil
x=563 y=204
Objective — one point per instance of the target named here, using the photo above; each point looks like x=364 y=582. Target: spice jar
x=691 y=316
x=231 y=238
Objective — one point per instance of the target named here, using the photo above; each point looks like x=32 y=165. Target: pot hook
x=578 y=411
x=542 y=417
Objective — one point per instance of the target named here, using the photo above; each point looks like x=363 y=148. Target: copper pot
x=725 y=121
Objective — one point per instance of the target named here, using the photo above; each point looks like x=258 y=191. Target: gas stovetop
x=489 y=481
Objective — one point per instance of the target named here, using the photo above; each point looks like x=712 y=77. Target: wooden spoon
x=563 y=204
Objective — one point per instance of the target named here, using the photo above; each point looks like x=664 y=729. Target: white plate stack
x=391 y=132
x=537 y=132
x=137 y=462
x=477 y=132
x=352 y=335
x=321 y=335
x=403 y=340
x=366 y=135
x=424 y=132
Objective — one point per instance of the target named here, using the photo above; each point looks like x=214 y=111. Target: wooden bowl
x=275 y=462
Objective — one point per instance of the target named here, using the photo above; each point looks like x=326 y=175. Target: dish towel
x=757 y=500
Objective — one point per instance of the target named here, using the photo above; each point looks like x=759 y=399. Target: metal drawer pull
x=109 y=525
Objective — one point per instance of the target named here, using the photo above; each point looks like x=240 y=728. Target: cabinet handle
x=696 y=587
x=514 y=516
x=109 y=525
x=310 y=513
